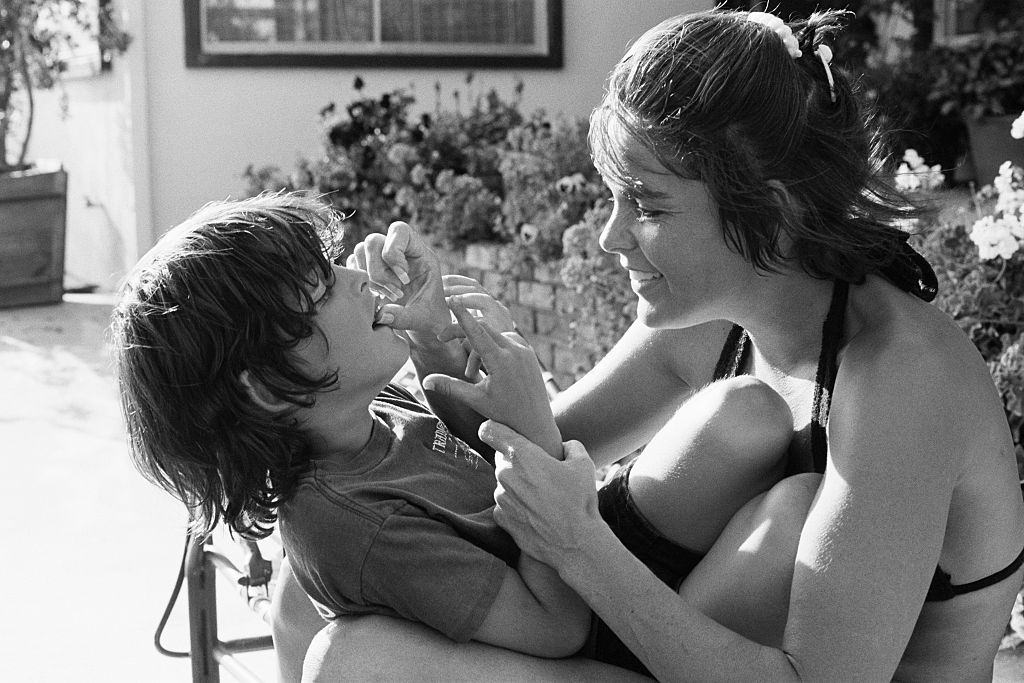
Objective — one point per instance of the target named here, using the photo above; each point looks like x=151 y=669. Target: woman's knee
x=748 y=419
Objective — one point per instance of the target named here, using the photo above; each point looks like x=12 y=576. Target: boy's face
x=366 y=356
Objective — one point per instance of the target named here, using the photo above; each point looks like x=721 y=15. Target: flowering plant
x=985 y=78
x=981 y=283
x=601 y=305
x=914 y=174
x=382 y=163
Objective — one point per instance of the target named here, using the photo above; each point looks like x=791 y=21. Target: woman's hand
x=513 y=391
x=404 y=270
x=545 y=504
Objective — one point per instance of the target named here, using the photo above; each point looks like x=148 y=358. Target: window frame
x=197 y=57
x=945 y=30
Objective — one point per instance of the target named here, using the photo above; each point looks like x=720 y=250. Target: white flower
x=994 y=238
x=934 y=178
x=528 y=232
x=1017 y=127
x=418 y=174
x=914 y=174
x=913 y=158
x=906 y=179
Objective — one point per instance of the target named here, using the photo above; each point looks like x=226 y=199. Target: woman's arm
x=632 y=392
x=865 y=556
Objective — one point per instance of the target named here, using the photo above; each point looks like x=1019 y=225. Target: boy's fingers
x=453 y=331
x=496 y=313
x=455 y=280
x=450 y=387
x=400 y=241
x=377 y=270
x=477 y=334
x=358 y=258
x=505 y=440
x=473 y=364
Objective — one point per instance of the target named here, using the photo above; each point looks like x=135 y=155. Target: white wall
x=151 y=141
x=94 y=143
x=206 y=125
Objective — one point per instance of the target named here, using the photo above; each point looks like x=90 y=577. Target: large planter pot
x=33 y=215
x=991 y=145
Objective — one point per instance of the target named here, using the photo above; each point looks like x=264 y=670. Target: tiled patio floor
x=93 y=549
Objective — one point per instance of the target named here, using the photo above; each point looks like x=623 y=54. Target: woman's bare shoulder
x=900 y=349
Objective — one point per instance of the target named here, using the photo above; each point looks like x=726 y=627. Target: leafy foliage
x=978 y=255
x=36 y=37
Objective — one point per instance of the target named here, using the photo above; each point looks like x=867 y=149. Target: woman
x=760 y=241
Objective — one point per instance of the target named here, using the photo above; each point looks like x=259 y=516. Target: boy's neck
x=336 y=424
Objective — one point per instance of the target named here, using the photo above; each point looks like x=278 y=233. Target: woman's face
x=666 y=232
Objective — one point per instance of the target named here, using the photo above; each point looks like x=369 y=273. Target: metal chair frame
x=208 y=652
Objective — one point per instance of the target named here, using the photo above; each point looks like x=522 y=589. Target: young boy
x=254 y=375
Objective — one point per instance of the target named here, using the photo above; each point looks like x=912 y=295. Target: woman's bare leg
x=744 y=581
x=376 y=648
x=722 y=447
x=294 y=621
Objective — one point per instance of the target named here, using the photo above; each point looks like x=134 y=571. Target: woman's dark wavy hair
x=228 y=290
x=717 y=97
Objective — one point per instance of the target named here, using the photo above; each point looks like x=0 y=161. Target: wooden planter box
x=33 y=215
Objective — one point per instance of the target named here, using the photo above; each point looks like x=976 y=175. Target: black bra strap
x=825 y=379
x=733 y=354
x=943 y=589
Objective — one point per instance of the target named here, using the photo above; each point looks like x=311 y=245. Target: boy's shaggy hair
x=718 y=98
x=226 y=291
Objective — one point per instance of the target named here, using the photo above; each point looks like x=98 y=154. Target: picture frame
x=374 y=33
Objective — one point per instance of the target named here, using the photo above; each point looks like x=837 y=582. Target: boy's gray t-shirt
x=402 y=528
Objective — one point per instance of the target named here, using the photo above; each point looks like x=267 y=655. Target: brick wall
x=533 y=300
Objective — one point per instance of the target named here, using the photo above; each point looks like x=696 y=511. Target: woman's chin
x=658 y=317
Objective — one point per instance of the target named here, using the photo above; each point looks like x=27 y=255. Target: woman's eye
x=643 y=214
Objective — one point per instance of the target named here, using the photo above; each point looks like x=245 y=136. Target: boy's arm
x=536 y=612
x=513 y=391
x=433 y=357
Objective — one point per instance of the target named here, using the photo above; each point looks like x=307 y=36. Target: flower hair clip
x=824 y=53
x=779 y=27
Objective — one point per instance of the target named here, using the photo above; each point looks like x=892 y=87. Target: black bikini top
x=911 y=273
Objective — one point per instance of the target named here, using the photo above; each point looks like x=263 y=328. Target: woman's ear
x=260 y=395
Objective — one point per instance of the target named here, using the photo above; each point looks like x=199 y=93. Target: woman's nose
x=615 y=237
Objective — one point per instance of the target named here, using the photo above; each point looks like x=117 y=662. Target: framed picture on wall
x=962 y=21
x=374 y=33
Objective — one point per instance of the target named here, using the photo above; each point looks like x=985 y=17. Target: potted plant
x=982 y=82
x=36 y=39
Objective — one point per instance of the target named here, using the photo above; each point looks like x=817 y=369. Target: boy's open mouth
x=378 y=305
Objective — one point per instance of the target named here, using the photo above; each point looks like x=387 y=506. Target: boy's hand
x=404 y=270
x=474 y=297
x=513 y=391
